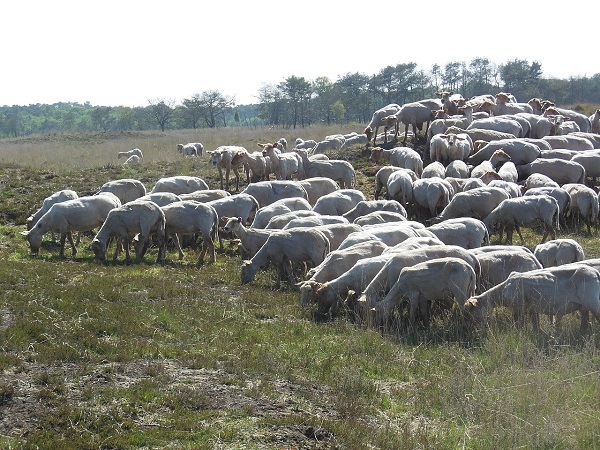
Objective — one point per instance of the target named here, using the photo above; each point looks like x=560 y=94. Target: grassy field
x=117 y=356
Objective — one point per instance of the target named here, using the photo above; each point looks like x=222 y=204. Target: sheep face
x=99 y=249
x=215 y=158
x=35 y=241
x=475 y=309
x=248 y=272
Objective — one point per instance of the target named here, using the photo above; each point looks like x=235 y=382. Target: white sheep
x=221 y=158
x=251 y=239
x=561 y=195
x=331 y=143
x=594 y=138
x=317 y=187
x=190 y=149
x=478 y=134
x=141 y=218
x=160 y=198
x=238 y=205
x=281 y=220
x=267 y=192
x=312 y=221
x=584 y=204
x=367 y=206
x=581 y=119
x=126 y=189
x=553 y=290
x=498 y=123
x=536 y=180
x=205 y=195
x=440 y=126
x=305 y=144
x=133 y=159
x=559 y=251
x=530 y=211
x=335 y=232
x=457 y=169
x=257 y=164
x=465 y=232
x=400 y=188
x=497 y=264
x=404 y=157
x=477 y=203
x=595 y=121
x=189 y=217
x=284 y=165
x=429 y=281
x=285 y=205
x=434 y=170
x=430 y=195
x=569 y=142
x=282 y=248
x=57 y=197
x=519 y=151
x=556 y=169
x=128 y=154
x=377 y=217
x=539 y=126
x=179 y=184
x=378 y=120
x=335 y=169
x=590 y=160
x=504 y=106
x=415 y=114
x=339 y=202
x=81 y=214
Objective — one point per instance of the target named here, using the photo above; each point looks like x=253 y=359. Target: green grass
x=111 y=355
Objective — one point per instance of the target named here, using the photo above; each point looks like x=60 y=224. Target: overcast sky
x=127 y=52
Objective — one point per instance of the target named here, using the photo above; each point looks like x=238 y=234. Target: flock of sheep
x=490 y=165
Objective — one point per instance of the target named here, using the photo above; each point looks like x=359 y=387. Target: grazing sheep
x=430 y=195
x=529 y=211
x=382 y=177
x=284 y=165
x=504 y=105
x=189 y=217
x=339 y=202
x=477 y=203
x=465 y=232
x=142 y=218
x=267 y=192
x=478 y=134
x=496 y=265
x=80 y=214
x=561 y=195
x=128 y=154
x=179 y=184
x=429 y=281
x=133 y=159
x=57 y=197
x=404 y=157
x=285 y=205
x=221 y=158
x=281 y=220
x=330 y=143
x=554 y=291
x=317 y=187
x=307 y=145
x=237 y=205
x=569 y=142
x=584 y=204
x=400 y=188
x=519 y=151
x=559 y=251
x=376 y=217
x=298 y=245
x=251 y=239
x=126 y=189
x=580 y=119
x=335 y=233
x=536 y=180
x=457 y=169
x=500 y=124
x=556 y=169
x=335 y=169
x=160 y=198
x=435 y=169
x=190 y=149
x=590 y=160
x=367 y=206
x=378 y=120
x=313 y=221
x=205 y=195
x=414 y=114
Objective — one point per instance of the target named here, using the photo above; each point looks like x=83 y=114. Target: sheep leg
x=518 y=229
x=178 y=246
x=585 y=319
x=63 y=237
x=413 y=303
x=70 y=238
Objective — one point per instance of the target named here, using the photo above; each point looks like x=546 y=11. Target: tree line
x=298 y=102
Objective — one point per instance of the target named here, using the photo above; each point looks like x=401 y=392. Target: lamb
x=584 y=204
x=317 y=187
x=189 y=217
x=530 y=211
x=128 y=154
x=80 y=214
x=497 y=265
x=126 y=189
x=378 y=120
x=205 y=195
x=285 y=247
x=267 y=192
x=179 y=184
x=477 y=203
x=57 y=197
x=339 y=261
x=553 y=290
x=259 y=165
x=221 y=158
x=367 y=206
x=427 y=281
x=465 y=232
x=285 y=205
x=284 y=165
x=145 y=218
x=559 y=251
x=339 y=202
x=335 y=169
x=191 y=149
